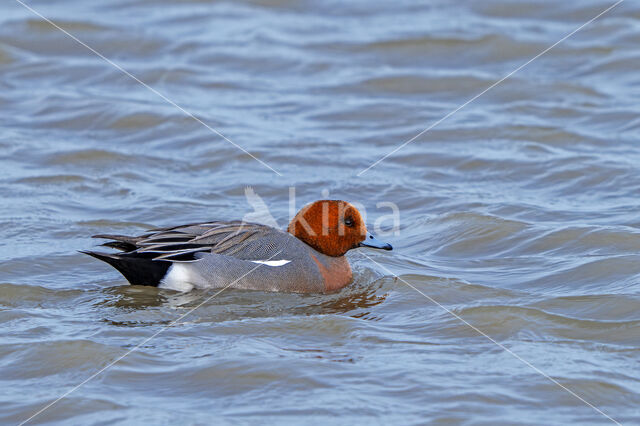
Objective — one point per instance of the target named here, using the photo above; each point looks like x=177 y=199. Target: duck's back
x=271 y=260
x=219 y=254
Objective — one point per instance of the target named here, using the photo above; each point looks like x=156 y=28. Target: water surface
x=519 y=213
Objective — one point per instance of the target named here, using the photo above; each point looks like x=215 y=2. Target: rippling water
x=519 y=213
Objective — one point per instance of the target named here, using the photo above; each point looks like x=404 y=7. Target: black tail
x=136 y=268
x=121 y=242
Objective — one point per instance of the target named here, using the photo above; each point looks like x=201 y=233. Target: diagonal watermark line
x=509 y=351
x=490 y=87
x=139 y=345
x=115 y=65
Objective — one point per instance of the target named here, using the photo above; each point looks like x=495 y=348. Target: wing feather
x=181 y=243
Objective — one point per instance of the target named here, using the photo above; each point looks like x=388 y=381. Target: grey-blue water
x=520 y=213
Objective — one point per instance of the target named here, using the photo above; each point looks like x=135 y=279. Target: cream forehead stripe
x=272 y=262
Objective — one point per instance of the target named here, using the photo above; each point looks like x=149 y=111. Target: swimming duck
x=307 y=258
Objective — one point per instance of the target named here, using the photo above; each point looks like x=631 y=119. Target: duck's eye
x=348 y=221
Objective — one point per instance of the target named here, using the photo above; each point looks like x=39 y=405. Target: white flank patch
x=272 y=262
x=177 y=278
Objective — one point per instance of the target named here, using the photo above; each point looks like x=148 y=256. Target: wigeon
x=308 y=258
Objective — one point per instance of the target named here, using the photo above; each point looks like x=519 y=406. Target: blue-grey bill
x=371 y=241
